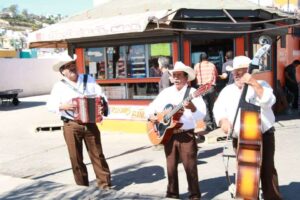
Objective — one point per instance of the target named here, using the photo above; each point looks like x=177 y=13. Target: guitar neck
x=202 y=90
x=178 y=107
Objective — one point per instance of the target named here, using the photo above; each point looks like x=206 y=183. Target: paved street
x=35 y=165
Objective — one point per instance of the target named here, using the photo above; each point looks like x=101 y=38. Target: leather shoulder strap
x=71 y=86
x=187 y=92
x=85 y=78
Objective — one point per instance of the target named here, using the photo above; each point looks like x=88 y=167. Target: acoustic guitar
x=168 y=119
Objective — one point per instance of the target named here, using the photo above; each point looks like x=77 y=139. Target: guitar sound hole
x=165 y=120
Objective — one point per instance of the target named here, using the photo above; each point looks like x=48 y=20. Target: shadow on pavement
x=288 y=114
x=52 y=190
x=210 y=188
x=22 y=105
x=130 y=151
x=210 y=153
x=111 y=157
x=290 y=192
x=135 y=174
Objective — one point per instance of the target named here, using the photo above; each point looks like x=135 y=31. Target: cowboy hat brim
x=230 y=68
x=63 y=61
x=239 y=62
x=180 y=67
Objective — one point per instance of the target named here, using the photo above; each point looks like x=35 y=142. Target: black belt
x=177 y=131
x=64 y=119
x=269 y=131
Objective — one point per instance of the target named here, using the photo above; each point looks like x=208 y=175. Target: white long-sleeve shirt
x=228 y=100
x=62 y=93
x=172 y=96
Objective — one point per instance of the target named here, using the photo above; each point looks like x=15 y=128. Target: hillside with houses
x=17 y=23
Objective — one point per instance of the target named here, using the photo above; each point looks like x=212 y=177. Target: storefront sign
x=161 y=49
x=95 y=27
x=127 y=112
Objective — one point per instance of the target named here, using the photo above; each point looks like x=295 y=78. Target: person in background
x=206 y=72
x=154 y=70
x=261 y=94
x=227 y=74
x=182 y=144
x=75 y=133
x=291 y=81
x=163 y=63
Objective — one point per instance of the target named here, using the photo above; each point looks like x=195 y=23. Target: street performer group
x=172 y=117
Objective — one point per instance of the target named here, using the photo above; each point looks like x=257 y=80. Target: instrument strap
x=85 y=77
x=187 y=92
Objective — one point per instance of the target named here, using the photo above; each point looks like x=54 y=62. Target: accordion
x=88 y=109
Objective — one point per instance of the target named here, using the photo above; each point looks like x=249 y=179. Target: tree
x=25 y=13
x=14 y=9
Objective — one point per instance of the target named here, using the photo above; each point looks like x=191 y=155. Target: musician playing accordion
x=61 y=101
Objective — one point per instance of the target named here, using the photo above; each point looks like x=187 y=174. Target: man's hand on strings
x=250 y=80
x=225 y=125
x=153 y=118
x=189 y=105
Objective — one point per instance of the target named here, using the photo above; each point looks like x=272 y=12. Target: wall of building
x=34 y=76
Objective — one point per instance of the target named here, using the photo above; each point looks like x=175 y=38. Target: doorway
x=215 y=50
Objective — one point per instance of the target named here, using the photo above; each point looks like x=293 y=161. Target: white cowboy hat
x=180 y=67
x=239 y=62
x=63 y=61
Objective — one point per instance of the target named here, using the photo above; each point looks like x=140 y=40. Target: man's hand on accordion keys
x=67 y=106
x=101 y=110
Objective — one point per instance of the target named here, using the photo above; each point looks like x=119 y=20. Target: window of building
x=136 y=61
x=155 y=51
x=122 y=62
x=95 y=62
x=116 y=62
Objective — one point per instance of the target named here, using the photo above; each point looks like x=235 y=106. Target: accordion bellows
x=87 y=109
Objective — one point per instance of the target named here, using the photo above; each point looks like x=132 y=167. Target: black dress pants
x=75 y=134
x=182 y=147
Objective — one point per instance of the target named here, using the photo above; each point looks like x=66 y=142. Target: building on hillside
x=118 y=43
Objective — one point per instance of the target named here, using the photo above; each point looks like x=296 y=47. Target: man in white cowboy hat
x=261 y=94
x=182 y=144
x=74 y=85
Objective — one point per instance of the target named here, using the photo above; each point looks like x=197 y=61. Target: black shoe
x=105 y=187
x=200 y=138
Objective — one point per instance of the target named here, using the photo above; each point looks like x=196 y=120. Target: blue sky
x=50 y=7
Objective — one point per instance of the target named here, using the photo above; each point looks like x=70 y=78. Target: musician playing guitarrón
x=76 y=133
x=182 y=144
x=260 y=94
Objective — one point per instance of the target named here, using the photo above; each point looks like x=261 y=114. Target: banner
x=160 y=49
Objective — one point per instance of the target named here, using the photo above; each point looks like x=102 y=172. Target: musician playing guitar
x=261 y=94
x=181 y=144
